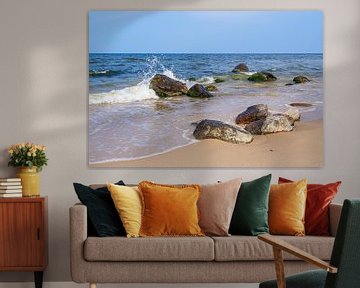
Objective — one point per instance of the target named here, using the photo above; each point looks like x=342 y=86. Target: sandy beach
x=303 y=147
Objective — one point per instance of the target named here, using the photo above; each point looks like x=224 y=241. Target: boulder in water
x=198 y=91
x=213 y=129
x=301 y=79
x=253 y=113
x=165 y=86
x=262 y=77
x=242 y=67
x=300 y=104
x=219 y=80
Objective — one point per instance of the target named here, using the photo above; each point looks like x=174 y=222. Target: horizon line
x=205 y=53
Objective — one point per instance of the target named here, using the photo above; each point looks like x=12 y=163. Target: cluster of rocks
x=265 y=76
x=258 y=120
x=255 y=120
x=165 y=86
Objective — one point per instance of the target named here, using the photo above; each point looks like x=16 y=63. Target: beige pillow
x=216 y=206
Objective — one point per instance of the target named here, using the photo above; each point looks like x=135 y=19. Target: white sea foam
x=206 y=80
x=99 y=71
x=144 y=156
x=248 y=73
x=170 y=74
x=130 y=94
x=139 y=92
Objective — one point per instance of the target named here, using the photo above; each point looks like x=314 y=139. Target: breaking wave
x=139 y=92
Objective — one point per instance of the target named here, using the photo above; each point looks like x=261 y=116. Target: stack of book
x=10 y=187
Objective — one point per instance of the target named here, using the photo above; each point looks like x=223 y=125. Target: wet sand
x=303 y=147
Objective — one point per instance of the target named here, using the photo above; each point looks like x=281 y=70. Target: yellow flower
x=28 y=154
x=11 y=151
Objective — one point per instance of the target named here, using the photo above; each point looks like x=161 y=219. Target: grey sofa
x=234 y=259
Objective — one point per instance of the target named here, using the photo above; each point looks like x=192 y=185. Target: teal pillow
x=250 y=216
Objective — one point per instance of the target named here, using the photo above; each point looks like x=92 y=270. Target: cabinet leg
x=38 y=279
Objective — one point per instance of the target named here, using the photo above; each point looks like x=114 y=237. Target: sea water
x=127 y=120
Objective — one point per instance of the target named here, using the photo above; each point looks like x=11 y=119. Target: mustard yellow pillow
x=127 y=201
x=169 y=210
x=287 y=204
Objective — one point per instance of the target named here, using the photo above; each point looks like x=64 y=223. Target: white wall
x=43 y=90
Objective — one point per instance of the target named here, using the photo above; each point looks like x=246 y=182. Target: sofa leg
x=92 y=285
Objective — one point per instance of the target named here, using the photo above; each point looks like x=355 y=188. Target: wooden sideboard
x=23 y=235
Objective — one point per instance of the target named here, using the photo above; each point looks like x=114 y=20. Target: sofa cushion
x=169 y=210
x=287 y=204
x=127 y=201
x=149 y=249
x=250 y=215
x=318 y=199
x=244 y=248
x=102 y=216
x=216 y=206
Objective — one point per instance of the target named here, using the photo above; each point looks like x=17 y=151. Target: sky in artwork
x=205 y=32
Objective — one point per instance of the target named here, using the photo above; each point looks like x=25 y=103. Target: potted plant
x=30 y=158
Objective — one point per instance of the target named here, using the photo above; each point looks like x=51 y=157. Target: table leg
x=38 y=279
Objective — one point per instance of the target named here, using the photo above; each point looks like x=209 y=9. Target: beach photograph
x=205 y=89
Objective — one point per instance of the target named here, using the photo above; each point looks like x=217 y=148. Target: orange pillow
x=169 y=210
x=287 y=204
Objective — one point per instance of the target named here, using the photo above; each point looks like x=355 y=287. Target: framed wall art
x=205 y=89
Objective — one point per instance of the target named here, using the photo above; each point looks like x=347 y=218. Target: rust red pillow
x=319 y=197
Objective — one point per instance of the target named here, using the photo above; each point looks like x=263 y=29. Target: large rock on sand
x=213 y=129
x=293 y=114
x=242 y=67
x=167 y=87
x=262 y=77
x=271 y=124
x=253 y=113
x=199 y=91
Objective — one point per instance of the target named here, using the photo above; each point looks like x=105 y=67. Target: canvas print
x=205 y=89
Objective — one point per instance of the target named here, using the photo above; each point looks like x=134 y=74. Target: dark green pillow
x=250 y=216
x=103 y=218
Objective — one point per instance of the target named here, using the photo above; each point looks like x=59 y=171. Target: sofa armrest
x=334 y=217
x=78 y=235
